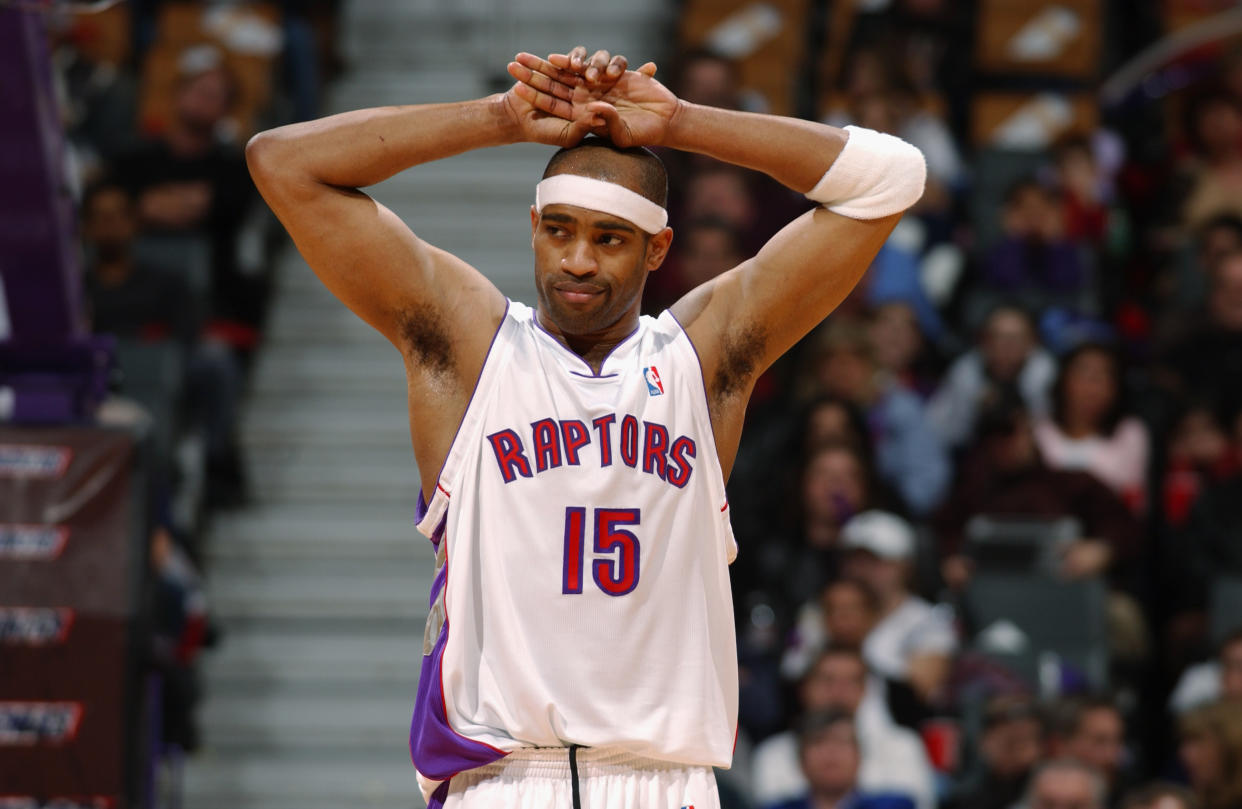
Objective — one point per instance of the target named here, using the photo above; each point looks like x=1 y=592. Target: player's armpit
x=768 y=303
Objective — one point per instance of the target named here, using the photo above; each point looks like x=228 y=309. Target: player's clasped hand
x=572 y=95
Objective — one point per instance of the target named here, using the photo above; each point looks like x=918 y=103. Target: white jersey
x=583 y=541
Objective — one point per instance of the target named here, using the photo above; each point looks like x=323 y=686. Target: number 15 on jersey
x=615 y=561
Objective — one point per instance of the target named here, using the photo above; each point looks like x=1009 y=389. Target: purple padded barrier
x=37 y=256
x=54 y=369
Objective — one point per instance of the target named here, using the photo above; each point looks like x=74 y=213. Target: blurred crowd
x=990 y=540
x=158 y=99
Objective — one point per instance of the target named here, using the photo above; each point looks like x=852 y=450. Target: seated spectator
x=1086 y=188
x=1006 y=475
x=125 y=296
x=1160 y=795
x=189 y=182
x=1208 y=546
x=908 y=455
x=1065 y=784
x=1211 y=681
x=1092 y=731
x=1211 y=752
x=1011 y=743
x=1035 y=261
x=130 y=298
x=1207 y=363
x=832 y=420
x=844 y=615
x=1185 y=287
x=836 y=485
x=1214 y=129
x=829 y=754
x=1088 y=429
x=892 y=758
x=912 y=644
x=900 y=347
x=1008 y=354
x=705 y=248
x=1199 y=455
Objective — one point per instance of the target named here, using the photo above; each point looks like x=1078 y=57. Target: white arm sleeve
x=875 y=175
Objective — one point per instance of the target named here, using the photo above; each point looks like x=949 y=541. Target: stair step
x=312 y=780
x=281 y=721
x=385 y=593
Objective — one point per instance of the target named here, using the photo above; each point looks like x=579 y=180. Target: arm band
x=875 y=175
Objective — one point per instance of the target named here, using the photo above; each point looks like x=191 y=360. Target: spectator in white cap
x=913 y=643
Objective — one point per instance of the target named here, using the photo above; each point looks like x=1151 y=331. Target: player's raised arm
x=310 y=174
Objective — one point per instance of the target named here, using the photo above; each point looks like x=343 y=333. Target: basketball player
x=580 y=648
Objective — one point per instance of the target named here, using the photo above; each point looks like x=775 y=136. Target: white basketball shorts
x=607 y=779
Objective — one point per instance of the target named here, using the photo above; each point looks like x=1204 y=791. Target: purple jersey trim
x=438 y=751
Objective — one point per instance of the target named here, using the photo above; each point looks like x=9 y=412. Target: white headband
x=600 y=195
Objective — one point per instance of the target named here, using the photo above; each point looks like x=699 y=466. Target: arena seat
x=767 y=39
x=1226 y=606
x=1061 y=38
x=1066 y=618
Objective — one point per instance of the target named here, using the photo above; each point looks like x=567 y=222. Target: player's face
x=590 y=268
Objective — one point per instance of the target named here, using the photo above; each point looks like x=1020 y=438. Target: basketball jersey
x=582 y=538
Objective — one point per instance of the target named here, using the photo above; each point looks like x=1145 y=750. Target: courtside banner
x=58 y=802
x=72 y=547
x=34 y=626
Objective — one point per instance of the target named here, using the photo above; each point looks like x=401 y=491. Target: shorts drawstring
x=573 y=774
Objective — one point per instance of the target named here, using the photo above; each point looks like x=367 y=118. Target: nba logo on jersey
x=654 y=386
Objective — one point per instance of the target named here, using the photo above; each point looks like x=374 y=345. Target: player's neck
x=593 y=348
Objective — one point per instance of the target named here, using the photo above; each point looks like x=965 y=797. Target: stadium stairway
x=321 y=584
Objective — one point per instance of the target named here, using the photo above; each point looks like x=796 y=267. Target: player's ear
x=534 y=224
x=657 y=248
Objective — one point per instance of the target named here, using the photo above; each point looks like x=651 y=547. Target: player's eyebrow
x=599 y=224
x=613 y=224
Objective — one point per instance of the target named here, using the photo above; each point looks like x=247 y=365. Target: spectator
x=1211 y=752
x=836 y=485
x=832 y=420
x=908 y=455
x=1160 y=795
x=828 y=751
x=705 y=248
x=1008 y=354
x=1034 y=260
x=190 y=183
x=892 y=758
x=913 y=643
x=899 y=346
x=1005 y=475
x=1086 y=188
x=1065 y=784
x=1088 y=429
x=1010 y=745
x=706 y=77
x=1208 y=545
x=844 y=615
x=1092 y=731
x=1208 y=362
x=125 y=296
x=1217 y=679
x=1214 y=129
x=133 y=299
x=1199 y=455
